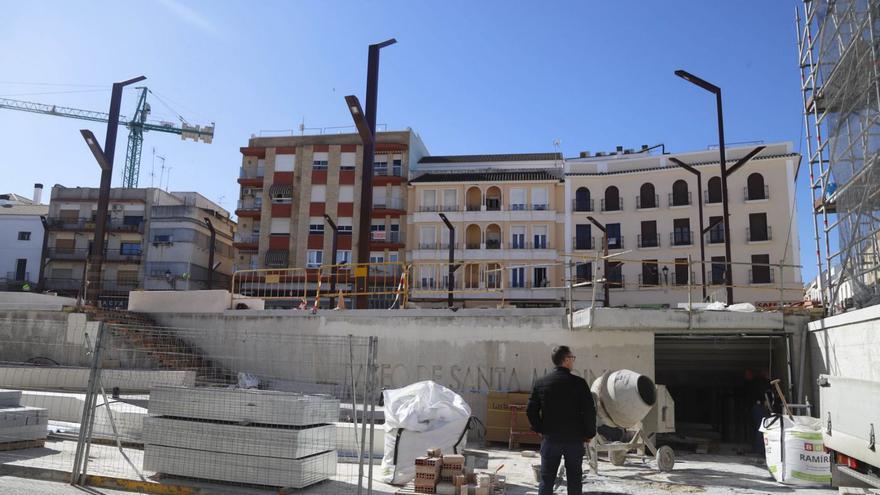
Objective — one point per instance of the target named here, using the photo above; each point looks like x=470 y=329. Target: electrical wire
x=24 y=83
x=57 y=92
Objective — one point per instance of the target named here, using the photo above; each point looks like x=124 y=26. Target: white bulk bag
x=795 y=452
x=418 y=417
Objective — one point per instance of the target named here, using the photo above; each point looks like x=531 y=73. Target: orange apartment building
x=289 y=183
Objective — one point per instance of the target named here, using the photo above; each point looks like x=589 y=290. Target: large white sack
x=418 y=417
x=795 y=452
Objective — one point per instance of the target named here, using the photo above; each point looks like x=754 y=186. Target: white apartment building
x=21 y=239
x=649 y=207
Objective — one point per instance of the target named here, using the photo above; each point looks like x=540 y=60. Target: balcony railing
x=390 y=204
x=493 y=204
x=527 y=245
x=474 y=207
x=649 y=281
x=83 y=253
x=761 y=275
x=493 y=244
x=759 y=235
x=389 y=237
x=581 y=243
x=708 y=201
x=438 y=246
x=129 y=257
x=749 y=195
x=648 y=241
x=254 y=173
x=244 y=238
x=529 y=207
x=245 y=205
x=681 y=238
x=387 y=171
x=615 y=205
x=680 y=200
x=582 y=205
x=433 y=208
x=473 y=245
x=89 y=224
x=716 y=235
x=645 y=202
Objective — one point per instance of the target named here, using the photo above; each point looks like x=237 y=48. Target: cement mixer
x=623 y=398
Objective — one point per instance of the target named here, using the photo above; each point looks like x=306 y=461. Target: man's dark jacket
x=561 y=407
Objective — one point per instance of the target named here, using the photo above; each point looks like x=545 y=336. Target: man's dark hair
x=559 y=354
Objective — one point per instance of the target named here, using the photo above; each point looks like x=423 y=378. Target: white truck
x=849 y=393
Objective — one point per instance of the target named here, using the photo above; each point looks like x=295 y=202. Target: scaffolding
x=838 y=47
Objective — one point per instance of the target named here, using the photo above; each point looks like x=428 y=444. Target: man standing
x=561 y=409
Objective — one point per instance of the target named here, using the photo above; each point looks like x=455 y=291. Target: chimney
x=585 y=154
x=38 y=193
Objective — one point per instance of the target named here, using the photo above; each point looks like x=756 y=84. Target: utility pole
x=211 y=249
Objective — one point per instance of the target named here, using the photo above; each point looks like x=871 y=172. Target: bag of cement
x=794 y=450
x=418 y=417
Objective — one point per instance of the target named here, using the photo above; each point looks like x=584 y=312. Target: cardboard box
x=501 y=400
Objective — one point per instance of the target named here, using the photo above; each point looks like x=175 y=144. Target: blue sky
x=469 y=77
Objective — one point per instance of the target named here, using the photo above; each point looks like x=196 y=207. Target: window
x=681 y=271
x=716 y=233
x=316 y=257
x=540 y=237
x=427 y=237
x=615 y=240
x=379 y=199
x=582 y=238
x=611 y=202
x=347 y=161
x=133 y=220
x=718 y=270
x=615 y=274
x=429 y=200
x=394 y=233
x=450 y=199
x=24 y=236
x=397 y=167
x=281 y=194
x=761 y=269
x=346 y=194
x=319 y=194
x=426 y=277
x=647 y=198
x=648 y=237
x=380 y=165
x=343 y=225
x=539 y=198
x=319 y=160
x=755 y=187
x=316 y=228
x=680 y=195
x=377 y=257
x=21 y=269
x=582 y=201
x=583 y=272
x=681 y=232
x=518 y=238
x=130 y=248
x=650 y=273
x=540 y=277
x=343 y=257
x=377 y=231
x=518 y=277
x=517 y=199
x=285 y=163
x=280 y=226
x=713 y=194
x=758 y=229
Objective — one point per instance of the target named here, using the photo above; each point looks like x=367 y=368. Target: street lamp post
x=211 y=250
x=105 y=161
x=607 y=293
x=333 y=253
x=450 y=282
x=728 y=273
x=365 y=122
x=700 y=229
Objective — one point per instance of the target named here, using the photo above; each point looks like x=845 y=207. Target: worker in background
x=561 y=410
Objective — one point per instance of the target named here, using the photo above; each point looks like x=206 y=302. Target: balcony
x=123 y=257
x=435 y=246
x=520 y=245
x=716 y=235
x=493 y=204
x=582 y=205
x=392 y=204
x=616 y=205
x=493 y=244
x=583 y=243
x=674 y=200
x=648 y=241
x=246 y=241
x=758 y=195
x=708 y=201
x=249 y=208
x=761 y=275
x=57 y=253
x=440 y=208
x=65 y=284
x=759 y=235
x=649 y=281
x=681 y=238
x=77 y=224
x=529 y=207
x=382 y=175
x=647 y=202
x=251 y=177
x=383 y=237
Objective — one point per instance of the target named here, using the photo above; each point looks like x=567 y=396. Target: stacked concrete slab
x=21 y=427
x=242 y=436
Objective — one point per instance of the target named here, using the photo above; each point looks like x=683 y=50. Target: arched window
x=647 y=198
x=680 y=193
x=493 y=199
x=493 y=236
x=473 y=236
x=756 y=188
x=474 y=199
x=611 y=202
x=713 y=194
x=582 y=201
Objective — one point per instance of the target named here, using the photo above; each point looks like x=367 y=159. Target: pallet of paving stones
x=21 y=427
x=258 y=437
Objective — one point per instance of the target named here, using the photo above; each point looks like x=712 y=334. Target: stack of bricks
x=428 y=469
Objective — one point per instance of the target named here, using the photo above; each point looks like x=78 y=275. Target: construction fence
x=127 y=400
x=580 y=280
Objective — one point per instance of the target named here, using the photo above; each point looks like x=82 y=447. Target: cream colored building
x=650 y=208
x=508 y=215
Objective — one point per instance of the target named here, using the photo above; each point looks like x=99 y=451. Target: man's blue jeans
x=552 y=452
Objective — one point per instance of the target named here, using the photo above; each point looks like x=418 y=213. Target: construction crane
x=137 y=125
